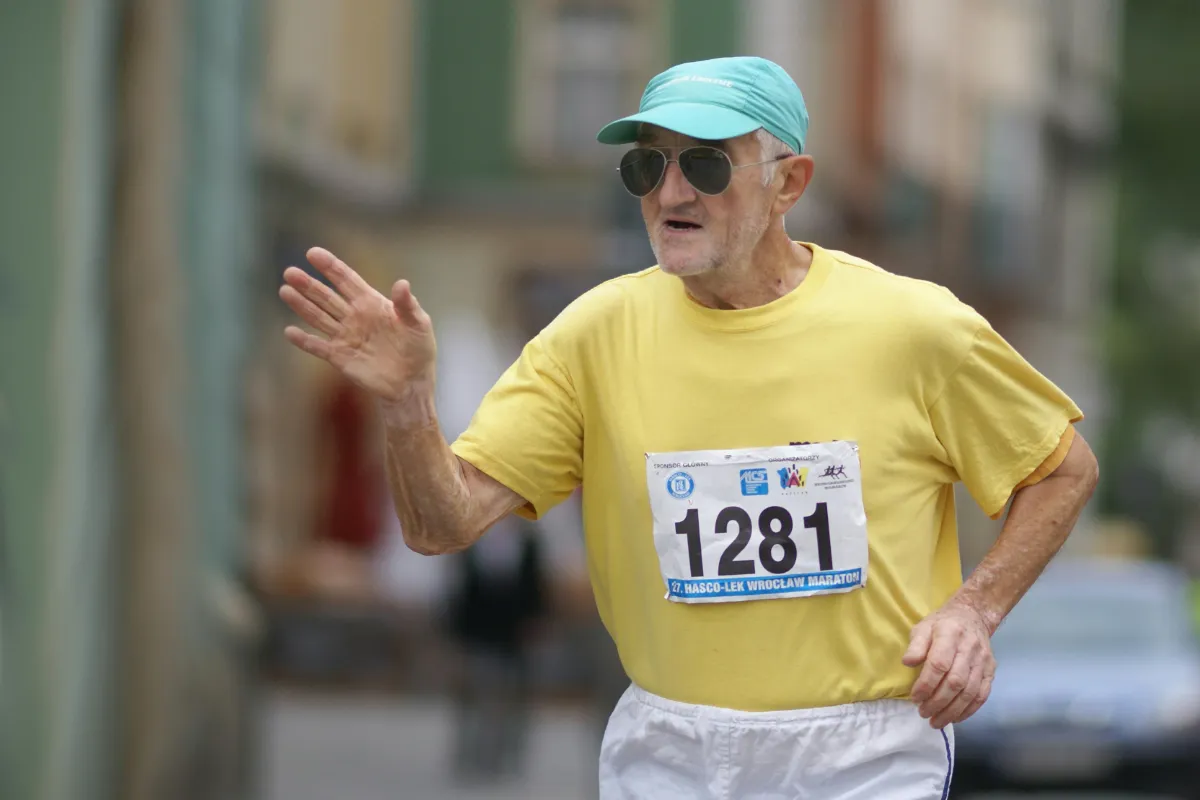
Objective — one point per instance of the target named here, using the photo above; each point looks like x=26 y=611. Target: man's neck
x=776 y=267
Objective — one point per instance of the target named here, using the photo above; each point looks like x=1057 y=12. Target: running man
x=768 y=434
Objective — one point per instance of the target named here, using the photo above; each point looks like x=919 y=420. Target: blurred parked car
x=1098 y=687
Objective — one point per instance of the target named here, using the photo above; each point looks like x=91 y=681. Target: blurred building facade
x=971 y=143
x=170 y=157
x=125 y=216
x=450 y=143
x=962 y=141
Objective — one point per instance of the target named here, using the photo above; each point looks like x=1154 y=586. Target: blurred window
x=1006 y=212
x=582 y=64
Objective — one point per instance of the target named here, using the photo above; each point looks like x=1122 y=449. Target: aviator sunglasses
x=707 y=169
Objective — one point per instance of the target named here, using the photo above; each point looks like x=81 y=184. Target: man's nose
x=675 y=189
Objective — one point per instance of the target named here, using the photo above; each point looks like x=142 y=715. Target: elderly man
x=760 y=426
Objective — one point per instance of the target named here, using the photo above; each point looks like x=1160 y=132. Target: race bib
x=757 y=524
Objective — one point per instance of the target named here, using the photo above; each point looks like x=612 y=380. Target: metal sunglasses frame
x=675 y=160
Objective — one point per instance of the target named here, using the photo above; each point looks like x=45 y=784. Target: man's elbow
x=1091 y=468
x=437 y=545
x=425 y=548
x=1091 y=478
x=436 y=541
x=1087 y=468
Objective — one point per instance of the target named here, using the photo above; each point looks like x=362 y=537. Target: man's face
x=692 y=233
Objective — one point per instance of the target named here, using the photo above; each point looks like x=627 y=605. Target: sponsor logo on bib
x=792 y=476
x=681 y=485
x=754 y=482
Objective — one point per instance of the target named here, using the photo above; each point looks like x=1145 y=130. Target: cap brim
x=697 y=120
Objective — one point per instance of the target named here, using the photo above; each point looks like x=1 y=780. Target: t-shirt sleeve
x=999 y=419
x=1052 y=462
x=528 y=431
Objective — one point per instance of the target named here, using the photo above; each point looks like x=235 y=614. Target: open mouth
x=682 y=225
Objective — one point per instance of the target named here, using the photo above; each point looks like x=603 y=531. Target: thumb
x=405 y=302
x=918 y=646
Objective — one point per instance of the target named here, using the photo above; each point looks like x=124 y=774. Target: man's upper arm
x=1052 y=462
x=1073 y=458
x=527 y=434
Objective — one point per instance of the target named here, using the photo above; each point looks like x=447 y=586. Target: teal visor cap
x=721 y=98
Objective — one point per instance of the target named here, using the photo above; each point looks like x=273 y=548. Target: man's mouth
x=682 y=225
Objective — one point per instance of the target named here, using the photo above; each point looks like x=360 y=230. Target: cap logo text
x=698 y=79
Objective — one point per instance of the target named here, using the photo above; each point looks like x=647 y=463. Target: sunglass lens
x=641 y=170
x=706 y=168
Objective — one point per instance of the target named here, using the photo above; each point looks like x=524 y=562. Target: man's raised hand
x=386 y=346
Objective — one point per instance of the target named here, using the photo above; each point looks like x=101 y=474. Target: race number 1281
x=777 y=552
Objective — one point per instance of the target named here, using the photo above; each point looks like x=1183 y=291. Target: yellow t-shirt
x=928 y=390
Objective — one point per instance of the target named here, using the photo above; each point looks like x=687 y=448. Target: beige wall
x=337 y=91
x=458 y=267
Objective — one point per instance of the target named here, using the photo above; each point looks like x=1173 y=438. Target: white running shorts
x=659 y=749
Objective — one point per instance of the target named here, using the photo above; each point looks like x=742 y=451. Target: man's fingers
x=347 y=281
x=918 y=646
x=961 y=700
x=316 y=292
x=313 y=345
x=949 y=687
x=308 y=311
x=407 y=308
x=985 y=691
x=943 y=648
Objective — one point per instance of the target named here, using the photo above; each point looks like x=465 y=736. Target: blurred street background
x=203 y=591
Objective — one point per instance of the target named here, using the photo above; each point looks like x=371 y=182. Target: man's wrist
x=415 y=408
x=987 y=613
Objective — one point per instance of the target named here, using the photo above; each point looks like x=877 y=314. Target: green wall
x=217 y=250
x=31 y=74
x=703 y=29
x=466 y=63
x=466 y=73
x=1153 y=342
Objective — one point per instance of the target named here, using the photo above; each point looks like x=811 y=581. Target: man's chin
x=682 y=269
x=683 y=265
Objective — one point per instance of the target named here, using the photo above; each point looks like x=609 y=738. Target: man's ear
x=797 y=172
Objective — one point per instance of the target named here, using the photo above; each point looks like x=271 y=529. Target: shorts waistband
x=867 y=709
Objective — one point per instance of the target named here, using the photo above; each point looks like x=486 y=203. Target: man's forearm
x=1038 y=524
x=430 y=493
